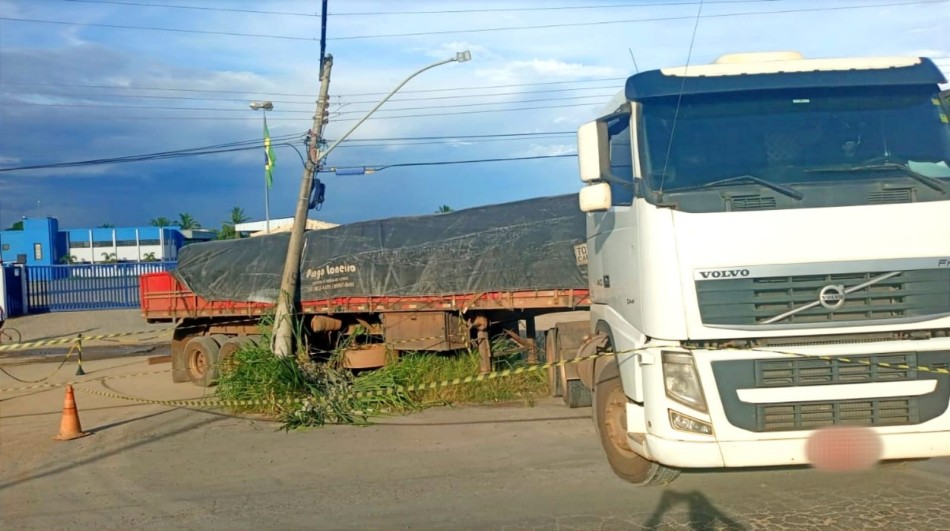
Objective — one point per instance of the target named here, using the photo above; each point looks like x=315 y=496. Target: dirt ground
x=509 y=466
x=148 y=466
x=70 y=324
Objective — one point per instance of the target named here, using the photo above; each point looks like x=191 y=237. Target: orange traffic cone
x=69 y=427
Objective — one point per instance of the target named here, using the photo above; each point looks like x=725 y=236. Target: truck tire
x=228 y=349
x=201 y=355
x=612 y=426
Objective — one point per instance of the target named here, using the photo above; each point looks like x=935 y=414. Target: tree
x=187 y=222
x=227 y=232
x=161 y=221
x=17 y=226
x=238 y=216
x=106 y=226
x=443 y=209
x=229 y=228
x=109 y=258
x=68 y=259
x=150 y=257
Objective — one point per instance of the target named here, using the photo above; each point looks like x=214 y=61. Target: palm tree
x=229 y=228
x=106 y=226
x=443 y=209
x=150 y=257
x=238 y=216
x=161 y=221
x=187 y=222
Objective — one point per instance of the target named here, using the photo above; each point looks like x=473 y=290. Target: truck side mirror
x=595 y=197
x=592 y=153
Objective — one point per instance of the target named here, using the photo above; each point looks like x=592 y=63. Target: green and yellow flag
x=269 y=159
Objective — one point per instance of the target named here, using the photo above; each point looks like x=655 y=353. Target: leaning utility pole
x=287 y=299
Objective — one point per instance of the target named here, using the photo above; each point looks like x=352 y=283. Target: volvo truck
x=768 y=245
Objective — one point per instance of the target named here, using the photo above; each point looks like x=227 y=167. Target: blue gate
x=13 y=290
x=69 y=288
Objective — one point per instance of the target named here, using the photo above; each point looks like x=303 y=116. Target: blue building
x=41 y=242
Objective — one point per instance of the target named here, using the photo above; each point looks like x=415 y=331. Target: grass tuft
x=304 y=393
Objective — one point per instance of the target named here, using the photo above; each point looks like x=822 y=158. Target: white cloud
x=548 y=150
x=7 y=160
x=545 y=69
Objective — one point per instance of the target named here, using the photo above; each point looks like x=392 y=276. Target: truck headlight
x=682 y=380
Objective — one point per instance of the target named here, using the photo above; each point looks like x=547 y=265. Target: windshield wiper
x=931 y=182
x=781 y=188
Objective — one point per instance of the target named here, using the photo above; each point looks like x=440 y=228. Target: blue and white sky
x=69 y=92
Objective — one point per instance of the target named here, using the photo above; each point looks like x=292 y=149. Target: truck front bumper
x=782 y=452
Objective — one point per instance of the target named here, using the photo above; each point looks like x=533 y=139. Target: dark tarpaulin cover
x=525 y=245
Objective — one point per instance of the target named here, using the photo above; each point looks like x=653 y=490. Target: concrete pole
x=286 y=299
x=283 y=324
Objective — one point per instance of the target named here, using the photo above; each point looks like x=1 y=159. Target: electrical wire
x=337 y=113
x=241 y=145
x=472 y=161
x=462 y=31
x=377 y=13
x=306 y=102
x=631 y=21
x=374 y=117
x=285 y=140
x=451 y=89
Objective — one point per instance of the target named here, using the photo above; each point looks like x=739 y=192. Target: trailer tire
x=230 y=347
x=201 y=356
x=611 y=418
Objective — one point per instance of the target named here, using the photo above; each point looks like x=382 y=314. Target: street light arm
x=460 y=57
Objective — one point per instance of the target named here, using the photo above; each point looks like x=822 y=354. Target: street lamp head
x=258 y=105
x=461 y=57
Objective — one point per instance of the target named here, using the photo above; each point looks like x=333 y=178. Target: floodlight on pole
x=460 y=57
x=264 y=106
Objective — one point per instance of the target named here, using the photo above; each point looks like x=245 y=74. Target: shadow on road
x=472 y=422
x=103 y=455
x=702 y=514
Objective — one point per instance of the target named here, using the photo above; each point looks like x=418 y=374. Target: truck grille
x=752 y=301
x=815 y=371
x=812 y=415
x=806 y=372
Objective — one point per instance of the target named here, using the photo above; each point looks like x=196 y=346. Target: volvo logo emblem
x=831 y=297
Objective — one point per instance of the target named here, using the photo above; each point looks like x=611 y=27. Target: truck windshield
x=845 y=141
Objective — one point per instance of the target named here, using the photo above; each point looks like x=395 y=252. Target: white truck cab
x=769 y=256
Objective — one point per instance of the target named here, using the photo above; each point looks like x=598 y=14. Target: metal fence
x=78 y=287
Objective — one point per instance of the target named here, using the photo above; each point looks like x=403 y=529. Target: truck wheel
x=230 y=347
x=611 y=406
x=201 y=353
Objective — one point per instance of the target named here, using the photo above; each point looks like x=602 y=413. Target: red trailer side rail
x=164 y=297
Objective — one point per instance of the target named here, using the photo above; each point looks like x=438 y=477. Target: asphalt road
x=503 y=467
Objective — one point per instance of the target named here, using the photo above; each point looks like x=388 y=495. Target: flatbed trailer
x=208 y=332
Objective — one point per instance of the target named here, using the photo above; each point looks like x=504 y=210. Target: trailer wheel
x=611 y=404
x=201 y=353
x=230 y=347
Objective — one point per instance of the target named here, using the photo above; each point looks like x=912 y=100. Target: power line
x=472 y=161
x=173 y=89
x=241 y=145
x=178 y=6
x=553 y=8
x=289 y=102
x=631 y=21
x=459 y=31
x=336 y=113
x=275 y=119
x=156 y=28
